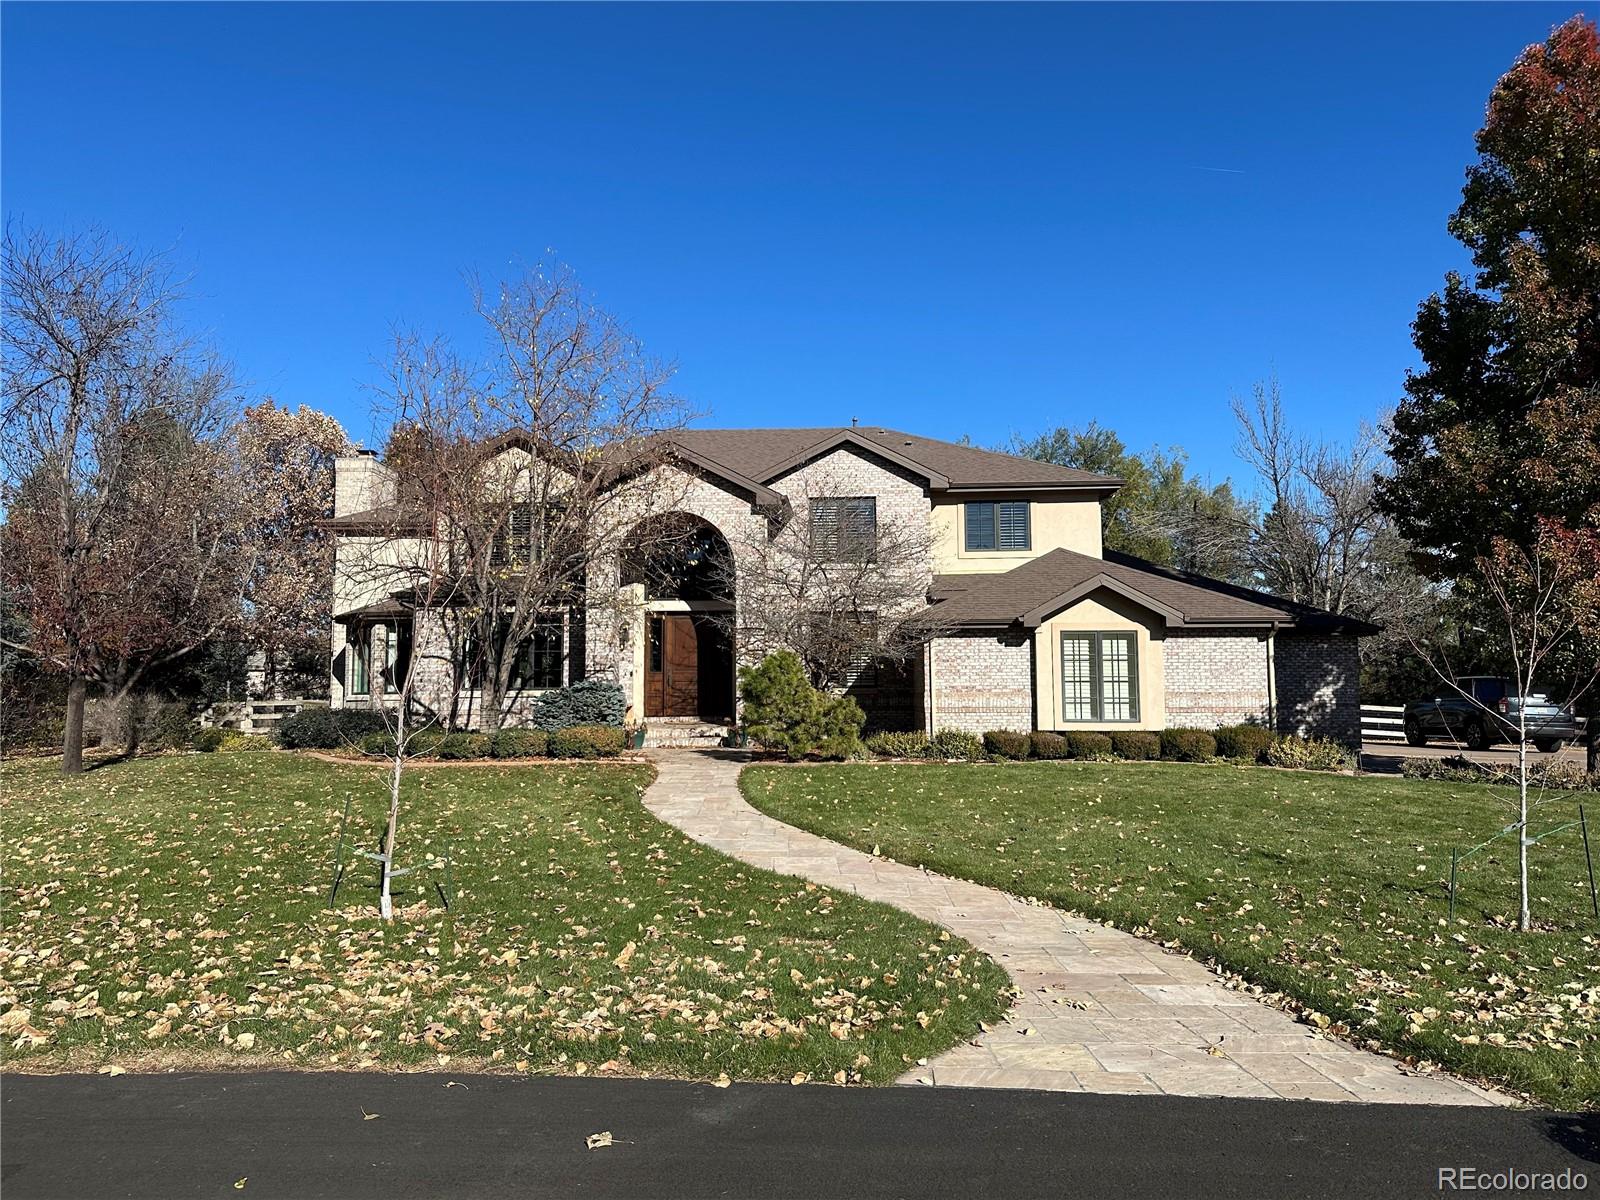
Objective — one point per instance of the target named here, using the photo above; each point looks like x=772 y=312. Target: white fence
x=1385 y=723
x=252 y=716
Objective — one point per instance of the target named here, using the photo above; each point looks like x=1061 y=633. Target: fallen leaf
x=453 y=1083
x=366 y=1116
x=621 y=960
x=722 y=1081
x=113 y=1071
x=245 y=1041
x=596 y=1140
x=238 y=1184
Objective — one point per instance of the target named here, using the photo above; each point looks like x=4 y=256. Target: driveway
x=308 y=1136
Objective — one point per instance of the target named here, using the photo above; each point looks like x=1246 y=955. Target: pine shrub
x=587 y=702
x=318 y=727
x=784 y=712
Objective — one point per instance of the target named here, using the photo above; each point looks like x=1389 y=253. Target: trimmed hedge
x=1249 y=742
x=1084 y=743
x=1187 y=745
x=1006 y=743
x=958 y=744
x=1138 y=745
x=587 y=702
x=587 y=741
x=890 y=744
x=321 y=728
x=1045 y=744
x=519 y=743
x=457 y=747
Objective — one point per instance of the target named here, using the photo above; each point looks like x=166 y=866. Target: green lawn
x=1328 y=888
x=172 y=911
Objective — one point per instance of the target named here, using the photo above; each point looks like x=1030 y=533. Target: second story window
x=845 y=528
x=999 y=525
x=514 y=542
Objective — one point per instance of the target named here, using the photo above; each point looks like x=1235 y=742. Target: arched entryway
x=685 y=568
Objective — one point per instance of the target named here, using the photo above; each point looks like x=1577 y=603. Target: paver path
x=1100 y=1010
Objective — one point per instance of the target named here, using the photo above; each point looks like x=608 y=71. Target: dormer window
x=999 y=525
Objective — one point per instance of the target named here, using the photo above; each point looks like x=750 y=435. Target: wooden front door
x=672 y=668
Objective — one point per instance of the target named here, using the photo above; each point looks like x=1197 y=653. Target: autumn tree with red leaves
x=1498 y=437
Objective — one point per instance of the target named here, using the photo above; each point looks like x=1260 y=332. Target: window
x=514 y=543
x=538 y=662
x=844 y=648
x=1002 y=525
x=845 y=528
x=541 y=656
x=1099 y=677
x=360 y=659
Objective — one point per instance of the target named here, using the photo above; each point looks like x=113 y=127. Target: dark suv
x=1489 y=716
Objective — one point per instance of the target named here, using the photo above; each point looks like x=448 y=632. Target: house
x=1030 y=623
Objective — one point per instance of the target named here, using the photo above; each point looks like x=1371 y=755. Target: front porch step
x=670 y=734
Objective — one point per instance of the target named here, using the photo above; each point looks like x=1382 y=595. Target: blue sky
x=951 y=219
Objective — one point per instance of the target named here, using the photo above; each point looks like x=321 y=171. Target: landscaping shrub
x=172 y=728
x=1309 y=754
x=1083 y=743
x=380 y=744
x=957 y=744
x=1045 y=744
x=588 y=741
x=1006 y=743
x=1248 y=742
x=425 y=741
x=459 y=746
x=1456 y=768
x=519 y=743
x=209 y=741
x=319 y=727
x=782 y=711
x=233 y=739
x=900 y=745
x=587 y=702
x=1140 y=745
x=1187 y=745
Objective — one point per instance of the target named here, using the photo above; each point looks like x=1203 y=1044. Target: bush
x=782 y=711
x=379 y=744
x=1187 y=745
x=1083 y=743
x=900 y=745
x=1248 y=742
x=233 y=740
x=957 y=744
x=1006 y=743
x=172 y=728
x=457 y=747
x=1309 y=754
x=425 y=741
x=319 y=727
x=1048 y=745
x=588 y=741
x=1456 y=768
x=587 y=702
x=519 y=743
x=209 y=741
x=1140 y=745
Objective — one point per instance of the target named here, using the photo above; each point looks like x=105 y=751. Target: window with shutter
x=1002 y=525
x=1012 y=519
x=844 y=528
x=1099 y=677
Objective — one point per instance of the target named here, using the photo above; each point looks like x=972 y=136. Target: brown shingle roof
x=1036 y=590
x=765 y=454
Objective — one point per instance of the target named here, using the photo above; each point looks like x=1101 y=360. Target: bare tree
x=1543 y=596
x=843 y=589
x=123 y=544
x=513 y=482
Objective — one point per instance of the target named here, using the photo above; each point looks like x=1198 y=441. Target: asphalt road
x=309 y=1135
x=1387 y=756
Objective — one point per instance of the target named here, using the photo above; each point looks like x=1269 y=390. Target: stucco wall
x=1216 y=677
x=1103 y=611
x=1056 y=523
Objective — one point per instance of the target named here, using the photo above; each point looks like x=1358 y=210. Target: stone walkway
x=1100 y=1010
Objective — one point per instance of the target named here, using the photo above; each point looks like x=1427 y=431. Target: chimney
x=360 y=482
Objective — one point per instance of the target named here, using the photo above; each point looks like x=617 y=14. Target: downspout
x=932 y=719
x=1272 y=677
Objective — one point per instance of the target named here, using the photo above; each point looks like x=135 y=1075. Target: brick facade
x=978 y=683
x=1319 y=686
x=1216 y=678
